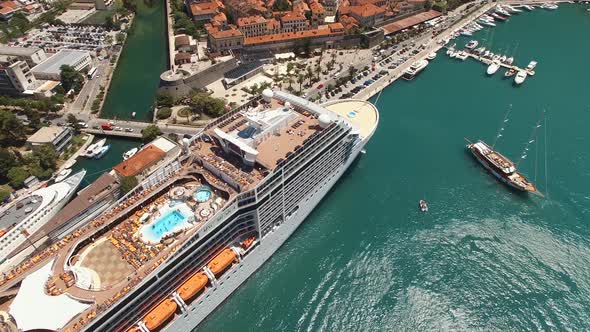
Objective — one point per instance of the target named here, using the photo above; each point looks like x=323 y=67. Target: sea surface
x=484 y=257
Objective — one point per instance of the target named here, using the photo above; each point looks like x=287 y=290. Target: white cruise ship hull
x=200 y=308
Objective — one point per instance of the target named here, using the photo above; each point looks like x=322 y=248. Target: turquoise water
x=202 y=195
x=483 y=257
x=165 y=224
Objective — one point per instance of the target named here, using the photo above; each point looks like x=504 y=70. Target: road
x=89 y=92
x=134 y=128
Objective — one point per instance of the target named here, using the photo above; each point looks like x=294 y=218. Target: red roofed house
x=252 y=26
x=205 y=11
x=318 y=14
x=367 y=15
x=223 y=41
x=293 y=22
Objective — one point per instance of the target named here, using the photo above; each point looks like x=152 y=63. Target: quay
x=487 y=61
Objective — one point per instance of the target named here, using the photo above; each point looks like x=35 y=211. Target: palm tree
x=309 y=74
x=300 y=80
x=290 y=81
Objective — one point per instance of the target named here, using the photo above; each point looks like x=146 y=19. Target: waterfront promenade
x=433 y=44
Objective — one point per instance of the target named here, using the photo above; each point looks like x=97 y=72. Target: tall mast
x=502 y=125
x=546 y=178
x=531 y=139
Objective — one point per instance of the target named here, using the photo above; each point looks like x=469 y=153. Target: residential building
x=204 y=11
x=326 y=36
x=367 y=15
x=223 y=41
x=50 y=69
x=58 y=137
x=15 y=76
x=318 y=14
x=7 y=9
x=252 y=26
x=185 y=43
x=32 y=55
x=293 y=22
x=331 y=6
x=181 y=58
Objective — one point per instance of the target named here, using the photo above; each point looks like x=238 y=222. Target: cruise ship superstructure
x=169 y=252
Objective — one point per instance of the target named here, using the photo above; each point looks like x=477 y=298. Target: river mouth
x=135 y=82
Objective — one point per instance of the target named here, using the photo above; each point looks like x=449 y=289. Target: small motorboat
x=520 y=77
x=63 y=174
x=133 y=114
x=423 y=206
x=130 y=153
x=431 y=56
x=102 y=151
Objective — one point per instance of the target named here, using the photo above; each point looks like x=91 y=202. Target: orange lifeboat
x=134 y=329
x=192 y=286
x=2 y=232
x=248 y=242
x=161 y=313
x=226 y=258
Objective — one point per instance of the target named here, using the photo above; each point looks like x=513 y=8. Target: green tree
x=7 y=161
x=281 y=5
x=17 y=176
x=150 y=133
x=4 y=194
x=164 y=113
x=74 y=123
x=300 y=80
x=120 y=37
x=46 y=155
x=71 y=78
x=128 y=183
x=203 y=103
x=164 y=99
x=13 y=130
x=108 y=40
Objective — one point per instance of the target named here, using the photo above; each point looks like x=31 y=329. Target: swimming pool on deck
x=171 y=219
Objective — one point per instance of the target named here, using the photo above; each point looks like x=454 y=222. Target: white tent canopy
x=33 y=309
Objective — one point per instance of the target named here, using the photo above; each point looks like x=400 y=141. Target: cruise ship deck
x=105 y=261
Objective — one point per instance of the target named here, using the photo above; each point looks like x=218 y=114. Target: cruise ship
x=174 y=248
x=26 y=215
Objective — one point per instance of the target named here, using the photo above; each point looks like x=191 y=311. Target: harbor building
x=50 y=69
x=58 y=137
x=148 y=159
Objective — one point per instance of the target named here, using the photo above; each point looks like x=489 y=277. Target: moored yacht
x=415 y=69
x=520 y=77
x=103 y=150
x=94 y=148
x=63 y=174
x=472 y=44
x=431 y=56
x=26 y=215
x=531 y=65
x=130 y=153
x=493 y=68
x=510 y=72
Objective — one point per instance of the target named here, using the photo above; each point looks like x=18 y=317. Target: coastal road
x=83 y=103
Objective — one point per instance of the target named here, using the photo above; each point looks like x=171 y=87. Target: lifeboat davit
x=192 y=286
x=160 y=314
x=226 y=258
x=134 y=329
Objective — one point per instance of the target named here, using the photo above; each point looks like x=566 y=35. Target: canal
x=144 y=57
x=134 y=84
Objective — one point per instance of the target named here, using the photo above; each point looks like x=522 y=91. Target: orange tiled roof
x=140 y=161
x=336 y=27
x=226 y=34
x=9 y=4
x=204 y=8
x=410 y=21
x=348 y=21
x=317 y=8
x=366 y=10
x=250 y=20
x=285 y=36
x=293 y=17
